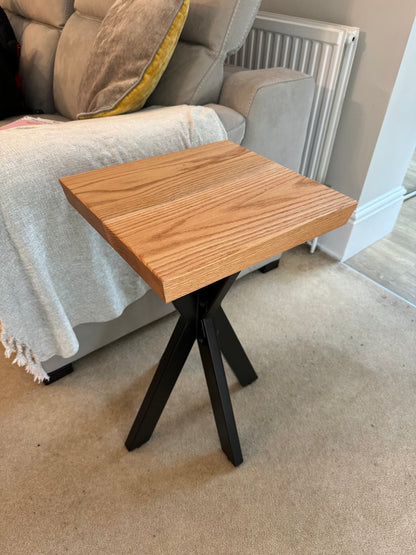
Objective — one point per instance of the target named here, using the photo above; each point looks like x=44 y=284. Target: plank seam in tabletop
x=170 y=184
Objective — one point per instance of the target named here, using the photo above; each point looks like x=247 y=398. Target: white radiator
x=323 y=50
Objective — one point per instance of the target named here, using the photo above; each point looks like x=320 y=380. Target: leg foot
x=56 y=375
x=218 y=391
x=270 y=266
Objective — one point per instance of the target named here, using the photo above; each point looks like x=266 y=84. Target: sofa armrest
x=276 y=103
x=234 y=123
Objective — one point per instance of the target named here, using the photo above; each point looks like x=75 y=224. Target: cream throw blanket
x=56 y=271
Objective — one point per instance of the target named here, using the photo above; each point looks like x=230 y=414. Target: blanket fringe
x=24 y=356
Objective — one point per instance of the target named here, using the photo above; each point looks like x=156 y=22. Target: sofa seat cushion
x=234 y=123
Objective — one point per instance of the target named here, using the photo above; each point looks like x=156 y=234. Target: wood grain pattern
x=186 y=219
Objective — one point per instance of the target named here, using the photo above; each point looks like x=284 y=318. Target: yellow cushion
x=133 y=46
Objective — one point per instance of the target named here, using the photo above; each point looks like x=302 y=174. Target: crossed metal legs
x=203 y=320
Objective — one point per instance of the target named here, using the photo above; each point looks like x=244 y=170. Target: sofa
x=264 y=110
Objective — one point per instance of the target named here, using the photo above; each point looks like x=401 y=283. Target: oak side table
x=188 y=222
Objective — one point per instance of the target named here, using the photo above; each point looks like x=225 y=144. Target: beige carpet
x=328 y=433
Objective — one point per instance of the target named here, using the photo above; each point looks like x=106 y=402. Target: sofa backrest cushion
x=214 y=29
x=37 y=25
x=132 y=48
x=74 y=49
x=194 y=75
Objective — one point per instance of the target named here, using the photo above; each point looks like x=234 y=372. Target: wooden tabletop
x=186 y=219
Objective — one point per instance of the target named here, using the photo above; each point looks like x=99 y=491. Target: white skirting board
x=369 y=223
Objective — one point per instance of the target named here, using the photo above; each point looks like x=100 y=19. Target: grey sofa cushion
x=195 y=73
x=74 y=49
x=132 y=48
x=37 y=25
x=234 y=123
x=214 y=28
x=53 y=13
x=94 y=8
x=71 y=60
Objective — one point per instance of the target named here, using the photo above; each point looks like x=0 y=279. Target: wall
x=398 y=133
x=384 y=31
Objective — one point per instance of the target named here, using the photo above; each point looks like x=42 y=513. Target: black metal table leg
x=163 y=382
x=218 y=391
x=201 y=318
x=233 y=351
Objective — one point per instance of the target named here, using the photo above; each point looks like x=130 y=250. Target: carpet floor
x=327 y=433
